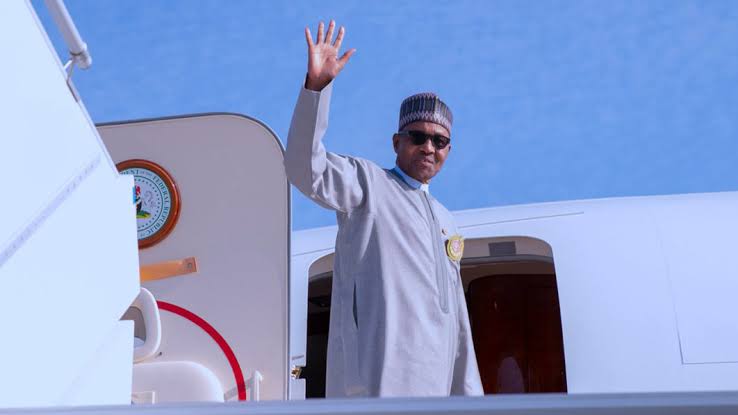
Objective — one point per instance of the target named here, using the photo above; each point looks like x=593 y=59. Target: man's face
x=421 y=162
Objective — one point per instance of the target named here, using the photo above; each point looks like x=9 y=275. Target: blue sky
x=553 y=100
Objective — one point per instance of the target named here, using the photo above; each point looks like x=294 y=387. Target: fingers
x=345 y=57
x=329 y=35
x=328 y=38
x=309 y=38
x=320 y=33
x=339 y=38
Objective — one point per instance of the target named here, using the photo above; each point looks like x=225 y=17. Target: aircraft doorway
x=513 y=305
x=319 y=308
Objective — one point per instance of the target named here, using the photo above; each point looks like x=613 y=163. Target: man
x=399 y=324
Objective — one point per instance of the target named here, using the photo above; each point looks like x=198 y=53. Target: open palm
x=323 y=61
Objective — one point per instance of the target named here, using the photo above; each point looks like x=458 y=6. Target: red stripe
x=235 y=367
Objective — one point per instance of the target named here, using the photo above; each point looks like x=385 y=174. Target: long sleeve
x=329 y=179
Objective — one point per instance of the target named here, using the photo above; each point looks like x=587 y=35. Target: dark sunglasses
x=419 y=138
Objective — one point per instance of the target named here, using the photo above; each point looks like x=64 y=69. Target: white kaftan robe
x=399 y=324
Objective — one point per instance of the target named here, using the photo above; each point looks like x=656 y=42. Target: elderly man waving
x=399 y=324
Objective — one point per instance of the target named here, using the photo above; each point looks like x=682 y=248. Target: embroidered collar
x=409 y=180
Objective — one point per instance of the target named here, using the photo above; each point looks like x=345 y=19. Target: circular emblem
x=156 y=197
x=455 y=247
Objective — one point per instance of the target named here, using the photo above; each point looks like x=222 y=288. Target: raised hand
x=323 y=61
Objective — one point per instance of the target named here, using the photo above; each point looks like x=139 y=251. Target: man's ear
x=395 y=142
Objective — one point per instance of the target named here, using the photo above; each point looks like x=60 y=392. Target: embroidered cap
x=425 y=106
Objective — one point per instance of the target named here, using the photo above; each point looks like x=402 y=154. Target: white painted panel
x=617 y=315
x=107 y=377
x=298 y=308
x=234 y=220
x=65 y=289
x=297 y=389
x=699 y=237
x=46 y=136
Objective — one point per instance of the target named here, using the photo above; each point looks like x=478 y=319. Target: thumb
x=346 y=56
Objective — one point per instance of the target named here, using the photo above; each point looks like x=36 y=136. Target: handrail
x=150 y=312
x=77 y=47
x=253 y=384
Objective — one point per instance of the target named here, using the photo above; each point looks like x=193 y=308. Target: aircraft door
x=213 y=220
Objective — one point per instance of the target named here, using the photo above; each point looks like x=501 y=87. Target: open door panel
x=226 y=173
